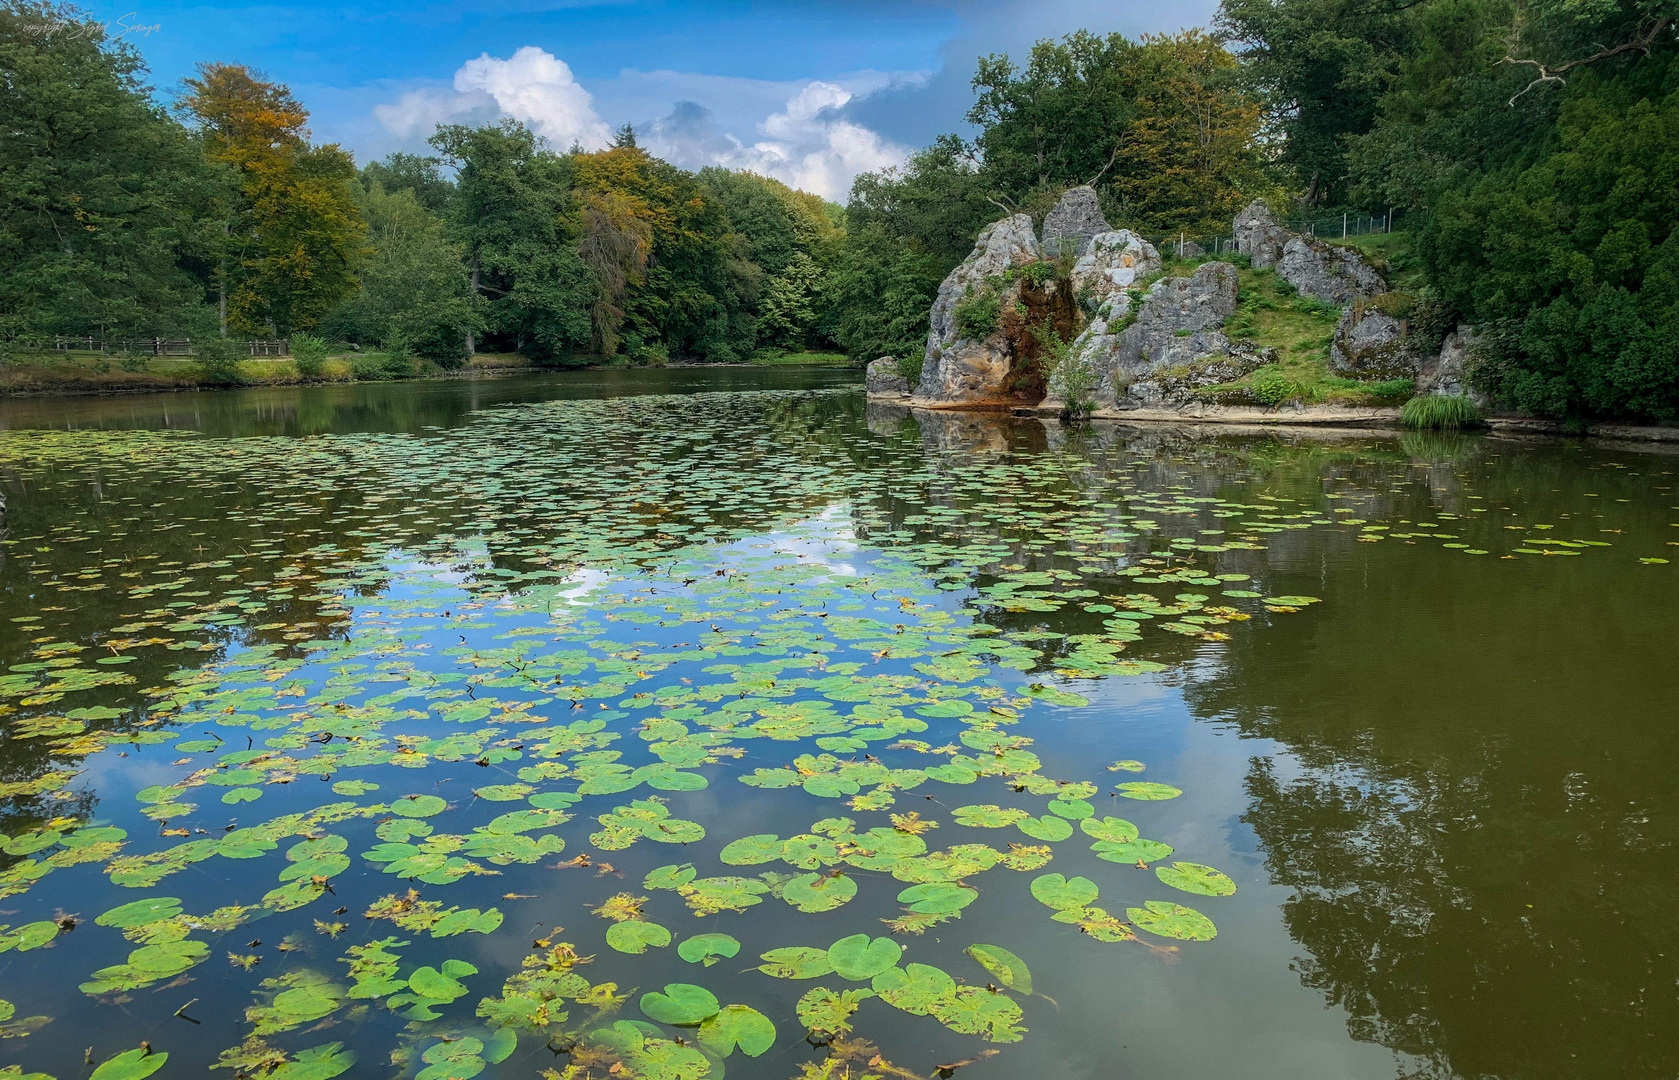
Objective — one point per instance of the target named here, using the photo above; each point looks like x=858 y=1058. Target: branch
x=1643 y=43
x=1113 y=157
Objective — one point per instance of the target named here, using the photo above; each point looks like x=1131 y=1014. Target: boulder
x=1114 y=262
x=1173 y=345
x=1447 y=374
x=1074 y=222
x=958 y=370
x=1259 y=236
x=1371 y=344
x=1329 y=272
x=884 y=380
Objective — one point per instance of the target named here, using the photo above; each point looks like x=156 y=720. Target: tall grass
x=1438 y=411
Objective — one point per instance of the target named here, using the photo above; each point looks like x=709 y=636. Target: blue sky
x=810 y=91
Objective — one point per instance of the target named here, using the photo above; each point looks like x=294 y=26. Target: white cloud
x=532 y=86
x=806 y=144
x=791 y=130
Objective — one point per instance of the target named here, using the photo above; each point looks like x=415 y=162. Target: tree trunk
x=221 y=284
x=477 y=276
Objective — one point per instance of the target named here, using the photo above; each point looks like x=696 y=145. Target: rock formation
x=1075 y=221
x=1328 y=272
x=884 y=379
x=1112 y=263
x=1259 y=236
x=1446 y=374
x=960 y=370
x=1371 y=344
x=1172 y=346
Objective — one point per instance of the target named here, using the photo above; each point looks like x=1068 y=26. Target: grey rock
x=1370 y=344
x=969 y=371
x=1259 y=236
x=1174 y=344
x=1447 y=374
x=1329 y=272
x=886 y=419
x=883 y=379
x=1112 y=263
x=1076 y=220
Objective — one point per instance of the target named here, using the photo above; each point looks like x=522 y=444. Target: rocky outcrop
x=1173 y=346
x=1076 y=220
x=1114 y=262
x=1371 y=344
x=1447 y=373
x=1259 y=236
x=884 y=380
x=1328 y=272
x=960 y=370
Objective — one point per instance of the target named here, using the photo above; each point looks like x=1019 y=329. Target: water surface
x=274 y=658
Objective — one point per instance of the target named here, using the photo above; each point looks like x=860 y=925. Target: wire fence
x=87 y=345
x=1326 y=227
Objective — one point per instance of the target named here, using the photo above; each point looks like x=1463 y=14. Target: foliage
x=101 y=194
x=308 y=354
x=217 y=360
x=1439 y=411
x=977 y=313
x=292 y=237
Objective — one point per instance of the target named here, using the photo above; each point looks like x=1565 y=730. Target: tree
x=616 y=245
x=1322 y=67
x=99 y=189
x=293 y=236
x=414 y=285
x=509 y=211
x=1189 y=158
x=411 y=172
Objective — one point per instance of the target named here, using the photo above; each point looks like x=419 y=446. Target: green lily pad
x=1136 y=851
x=737 y=1027
x=1046 y=828
x=752 y=850
x=819 y=892
x=707 y=949
x=1195 y=878
x=1010 y=969
x=937 y=899
x=634 y=936
x=681 y=1004
x=141 y=912
x=419 y=806
x=1172 y=920
x=858 y=958
x=914 y=988
x=796 y=962
x=823 y=1010
x=1112 y=829
x=1143 y=789
x=1064 y=894
x=130 y=1065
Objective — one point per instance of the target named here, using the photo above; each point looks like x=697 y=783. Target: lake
x=490 y=727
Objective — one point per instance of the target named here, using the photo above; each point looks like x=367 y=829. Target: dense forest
x=1531 y=149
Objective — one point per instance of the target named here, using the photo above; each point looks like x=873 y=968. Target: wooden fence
x=157 y=346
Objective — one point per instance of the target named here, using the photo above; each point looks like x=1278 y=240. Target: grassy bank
x=798 y=359
x=1272 y=314
x=96 y=373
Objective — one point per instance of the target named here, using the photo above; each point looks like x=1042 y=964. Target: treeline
x=120 y=218
x=1532 y=148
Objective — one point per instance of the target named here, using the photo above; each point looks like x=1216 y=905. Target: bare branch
x=1113 y=157
x=1643 y=42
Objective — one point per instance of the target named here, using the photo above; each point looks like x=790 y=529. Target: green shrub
x=976 y=316
x=308 y=355
x=1271 y=387
x=217 y=361
x=1439 y=411
x=909 y=366
x=132 y=362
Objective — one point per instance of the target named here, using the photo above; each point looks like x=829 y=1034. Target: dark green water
x=1416 y=693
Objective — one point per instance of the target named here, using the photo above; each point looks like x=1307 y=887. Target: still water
x=488 y=728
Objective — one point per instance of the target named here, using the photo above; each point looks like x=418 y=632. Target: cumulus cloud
x=532 y=86
x=806 y=144
x=803 y=140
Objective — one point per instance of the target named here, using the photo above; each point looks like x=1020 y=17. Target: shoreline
x=1372 y=418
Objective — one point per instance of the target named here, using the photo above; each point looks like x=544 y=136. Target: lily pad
x=1172 y=920
x=707 y=948
x=681 y=1004
x=737 y=1027
x=1195 y=878
x=634 y=936
x=1010 y=969
x=937 y=899
x=1064 y=894
x=796 y=962
x=858 y=958
x=131 y=1065
x=1143 y=789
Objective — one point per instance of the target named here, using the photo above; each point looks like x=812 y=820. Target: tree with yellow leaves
x=293 y=237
